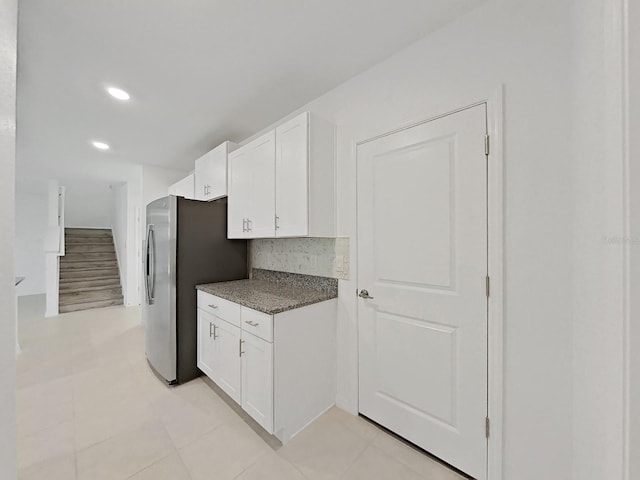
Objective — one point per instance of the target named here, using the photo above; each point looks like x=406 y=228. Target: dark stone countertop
x=268 y=296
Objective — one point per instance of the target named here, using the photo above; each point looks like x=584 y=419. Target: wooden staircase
x=89 y=275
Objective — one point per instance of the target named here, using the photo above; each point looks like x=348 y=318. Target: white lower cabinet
x=280 y=368
x=219 y=353
x=206 y=344
x=257 y=379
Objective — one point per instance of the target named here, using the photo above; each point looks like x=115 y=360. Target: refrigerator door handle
x=150 y=267
x=152 y=275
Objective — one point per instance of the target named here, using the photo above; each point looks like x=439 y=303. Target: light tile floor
x=89 y=408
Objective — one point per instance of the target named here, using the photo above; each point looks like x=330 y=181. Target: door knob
x=365 y=294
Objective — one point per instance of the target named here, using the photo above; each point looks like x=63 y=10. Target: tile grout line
x=250 y=465
x=157 y=461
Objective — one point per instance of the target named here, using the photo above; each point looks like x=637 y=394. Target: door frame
x=495 y=266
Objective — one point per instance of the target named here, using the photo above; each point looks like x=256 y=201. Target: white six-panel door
x=422 y=256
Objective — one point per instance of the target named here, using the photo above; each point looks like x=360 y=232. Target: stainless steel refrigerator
x=186 y=245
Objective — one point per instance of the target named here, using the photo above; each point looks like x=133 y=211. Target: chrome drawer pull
x=213 y=306
x=253 y=324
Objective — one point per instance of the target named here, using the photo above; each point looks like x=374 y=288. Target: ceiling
x=199 y=71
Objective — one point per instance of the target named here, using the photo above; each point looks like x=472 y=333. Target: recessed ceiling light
x=118 y=93
x=100 y=145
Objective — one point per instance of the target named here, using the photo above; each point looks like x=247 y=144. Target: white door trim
x=495 y=229
x=496 y=220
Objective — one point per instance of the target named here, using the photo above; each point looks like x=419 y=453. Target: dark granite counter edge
x=210 y=289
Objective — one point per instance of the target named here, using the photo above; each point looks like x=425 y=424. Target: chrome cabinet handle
x=364 y=294
x=211 y=305
x=240 y=347
x=244 y=224
x=249 y=225
x=212 y=333
x=277 y=220
x=253 y=324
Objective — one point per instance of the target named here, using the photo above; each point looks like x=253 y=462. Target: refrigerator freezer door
x=160 y=298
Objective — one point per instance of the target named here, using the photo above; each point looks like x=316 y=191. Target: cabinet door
x=239 y=203
x=216 y=165
x=292 y=177
x=262 y=186
x=211 y=174
x=206 y=343
x=257 y=380
x=226 y=358
x=183 y=188
x=200 y=178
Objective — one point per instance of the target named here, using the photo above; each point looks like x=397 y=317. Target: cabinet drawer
x=219 y=307
x=258 y=323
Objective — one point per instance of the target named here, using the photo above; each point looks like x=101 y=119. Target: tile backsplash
x=325 y=257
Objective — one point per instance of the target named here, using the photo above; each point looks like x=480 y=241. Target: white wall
x=126 y=210
x=525 y=46
x=119 y=228
x=88 y=203
x=156 y=182
x=600 y=241
x=8 y=25
x=54 y=247
x=633 y=313
x=31 y=227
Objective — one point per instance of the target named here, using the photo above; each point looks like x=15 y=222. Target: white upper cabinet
x=183 y=188
x=292 y=172
x=211 y=173
x=297 y=197
x=252 y=189
x=239 y=202
x=305 y=178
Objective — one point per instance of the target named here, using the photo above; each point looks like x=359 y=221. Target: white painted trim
x=627 y=233
x=495 y=230
x=496 y=222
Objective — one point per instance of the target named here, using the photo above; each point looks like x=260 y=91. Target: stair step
x=73 y=239
x=72 y=287
x=89 y=305
x=88 y=265
x=85 y=232
x=90 y=248
x=83 y=257
x=72 y=298
x=89 y=283
x=90 y=273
